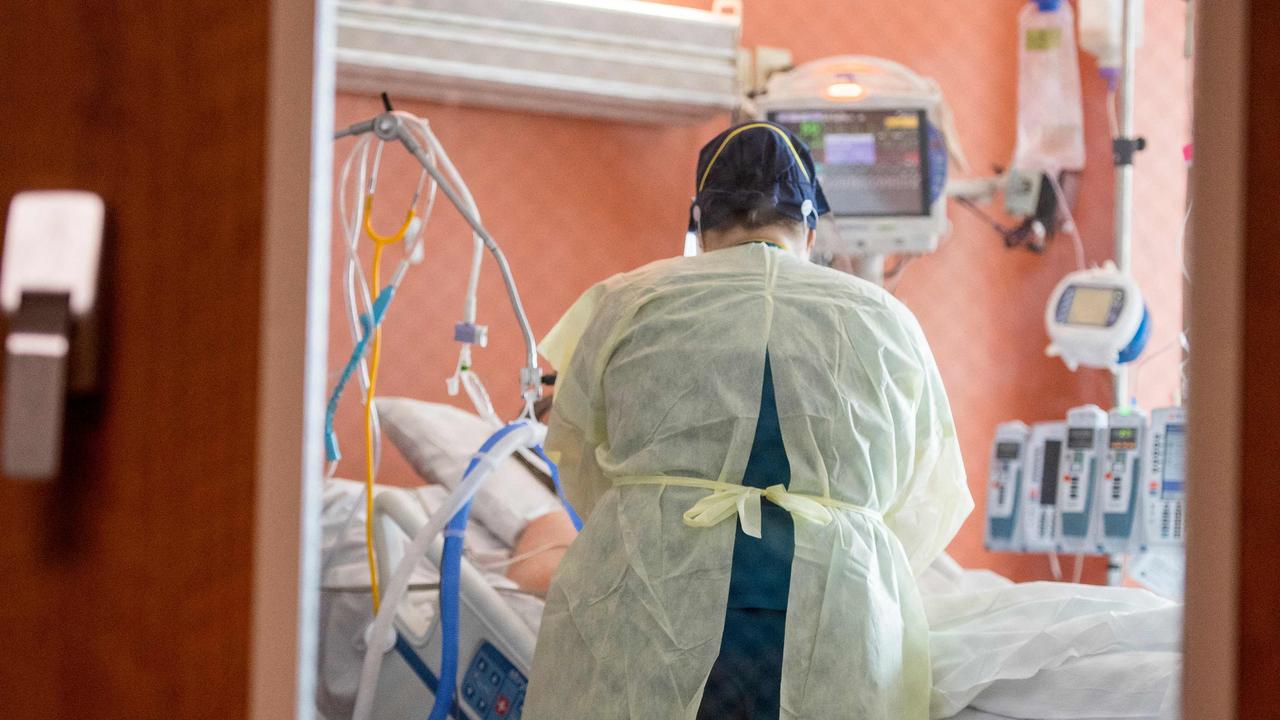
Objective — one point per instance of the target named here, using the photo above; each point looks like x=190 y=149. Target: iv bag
x=1102 y=29
x=1050 y=116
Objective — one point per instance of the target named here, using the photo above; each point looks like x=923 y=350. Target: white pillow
x=439 y=441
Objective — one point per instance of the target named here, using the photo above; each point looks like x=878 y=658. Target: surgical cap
x=753 y=165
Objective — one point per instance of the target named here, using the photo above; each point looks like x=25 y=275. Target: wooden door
x=126 y=585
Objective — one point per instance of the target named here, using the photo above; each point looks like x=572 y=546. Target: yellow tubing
x=380 y=240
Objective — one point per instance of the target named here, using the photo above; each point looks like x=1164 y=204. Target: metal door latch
x=48 y=292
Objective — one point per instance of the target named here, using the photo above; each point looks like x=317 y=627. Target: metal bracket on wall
x=48 y=291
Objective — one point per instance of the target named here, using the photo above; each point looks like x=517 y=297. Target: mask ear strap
x=697 y=221
x=806 y=210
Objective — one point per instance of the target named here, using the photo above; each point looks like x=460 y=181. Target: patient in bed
x=517 y=504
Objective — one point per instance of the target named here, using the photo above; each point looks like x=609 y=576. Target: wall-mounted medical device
x=1097 y=318
x=1085 y=452
x=1118 y=489
x=873 y=128
x=1164 y=479
x=1039 y=512
x=1004 y=485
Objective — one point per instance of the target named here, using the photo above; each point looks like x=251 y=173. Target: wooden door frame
x=1231 y=631
x=292 y=361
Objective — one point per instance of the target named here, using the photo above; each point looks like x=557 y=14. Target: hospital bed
x=499 y=622
x=1001 y=651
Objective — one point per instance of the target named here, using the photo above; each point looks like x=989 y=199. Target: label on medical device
x=1002 y=493
x=1118 y=486
x=1073 y=490
x=1004 y=470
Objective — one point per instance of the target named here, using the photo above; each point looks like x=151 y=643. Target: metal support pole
x=1123 y=149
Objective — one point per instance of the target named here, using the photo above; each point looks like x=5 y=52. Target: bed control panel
x=493 y=689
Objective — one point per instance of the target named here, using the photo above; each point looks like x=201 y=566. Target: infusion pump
x=1118 y=489
x=1008 y=462
x=1164 y=483
x=1096 y=483
x=1086 y=448
x=1039 y=498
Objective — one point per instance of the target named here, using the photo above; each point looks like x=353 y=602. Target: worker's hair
x=750 y=216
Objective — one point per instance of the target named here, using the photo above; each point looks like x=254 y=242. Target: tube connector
x=531 y=383
x=471 y=334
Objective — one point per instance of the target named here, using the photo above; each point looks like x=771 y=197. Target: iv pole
x=1123 y=149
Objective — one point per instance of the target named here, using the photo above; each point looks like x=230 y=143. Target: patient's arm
x=553 y=530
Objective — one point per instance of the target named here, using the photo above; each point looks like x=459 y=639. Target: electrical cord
x=1070 y=225
x=514 y=559
x=1055 y=566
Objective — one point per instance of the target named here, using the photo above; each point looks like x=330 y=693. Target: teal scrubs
x=746 y=680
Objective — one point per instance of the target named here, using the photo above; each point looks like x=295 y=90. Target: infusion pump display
x=1091 y=306
x=871 y=163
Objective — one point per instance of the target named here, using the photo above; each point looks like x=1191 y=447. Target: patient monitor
x=1040 y=488
x=1164 y=479
x=872 y=126
x=1085 y=452
x=1117 y=492
x=1004 y=485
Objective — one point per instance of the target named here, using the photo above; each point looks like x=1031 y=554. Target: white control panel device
x=872 y=126
x=1038 y=517
x=1097 y=318
x=495 y=644
x=1119 y=509
x=1164 y=483
x=1085 y=452
x=1004 y=485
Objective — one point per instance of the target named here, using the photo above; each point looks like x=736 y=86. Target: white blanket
x=1049 y=651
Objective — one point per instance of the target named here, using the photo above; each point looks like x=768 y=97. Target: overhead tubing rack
x=621 y=59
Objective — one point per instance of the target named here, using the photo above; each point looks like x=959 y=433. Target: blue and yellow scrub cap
x=755 y=162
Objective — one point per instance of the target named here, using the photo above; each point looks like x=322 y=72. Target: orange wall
x=574 y=200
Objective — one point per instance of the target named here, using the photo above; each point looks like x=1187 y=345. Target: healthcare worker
x=764 y=455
